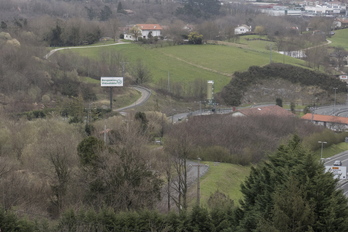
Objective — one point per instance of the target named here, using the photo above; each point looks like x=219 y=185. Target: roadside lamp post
x=198 y=184
x=347 y=95
x=321 y=151
x=334 y=102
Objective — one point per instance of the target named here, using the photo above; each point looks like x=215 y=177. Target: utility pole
x=168 y=83
x=111 y=98
x=321 y=151
x=198 y=181
x=333 y=112
x=198 y=184
x=270 y=54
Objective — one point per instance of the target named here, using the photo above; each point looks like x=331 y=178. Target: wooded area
x=68 y=166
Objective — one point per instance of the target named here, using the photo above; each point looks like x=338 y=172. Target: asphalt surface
x=192 y=177
x=343 y=156
x=336 y=110
x=94 y=46
x=145 y=94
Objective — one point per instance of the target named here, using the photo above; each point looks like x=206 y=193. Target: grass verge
x=224 y=177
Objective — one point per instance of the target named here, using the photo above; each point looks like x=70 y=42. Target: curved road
x=94 y=46
x=145 y=93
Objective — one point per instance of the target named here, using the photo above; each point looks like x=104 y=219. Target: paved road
x=94 y=46
x=337 y=110
x=145 y=94
x=343 y=156
x=192 y=175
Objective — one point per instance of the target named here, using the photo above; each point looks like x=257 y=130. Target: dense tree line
x=73 y=35
x=199 y=8
x=233 y=93
x=288 y=192
x=242 y=140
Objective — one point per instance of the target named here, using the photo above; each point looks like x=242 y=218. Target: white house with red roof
x=146 y=31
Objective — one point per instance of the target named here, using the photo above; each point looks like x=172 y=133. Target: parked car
x=338 y=163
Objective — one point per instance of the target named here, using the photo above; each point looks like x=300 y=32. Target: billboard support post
x=111 y=98
x=111 y=82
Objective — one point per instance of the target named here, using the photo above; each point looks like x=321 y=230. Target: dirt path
x=196 y=65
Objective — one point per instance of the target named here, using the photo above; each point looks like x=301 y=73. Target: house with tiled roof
x=242 y=29
x=341 y=23
x=331 y=122
x=273 y=110
x=146 y=31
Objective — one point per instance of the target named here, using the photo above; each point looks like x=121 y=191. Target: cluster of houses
x=145 y=30
x=304 y=8
x=331 y=122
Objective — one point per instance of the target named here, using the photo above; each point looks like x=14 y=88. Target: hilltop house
x=273 y=110
x=242 y=29
x=146 y=31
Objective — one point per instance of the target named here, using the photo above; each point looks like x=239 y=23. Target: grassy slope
x=227 y=178
x=224 y=177
x=188 y=62
x=332 y=150
x=340 y=39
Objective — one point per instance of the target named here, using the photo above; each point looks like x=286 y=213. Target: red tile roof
x=149 y=26
x=266 y=110
x=325 y=118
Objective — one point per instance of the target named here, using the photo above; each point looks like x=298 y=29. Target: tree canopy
x=200 y=8
x=291 y=192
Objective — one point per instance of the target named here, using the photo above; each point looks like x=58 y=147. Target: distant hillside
x=277 y=80
x=185 y=65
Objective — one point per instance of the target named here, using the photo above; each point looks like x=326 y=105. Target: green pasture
x=254 y=42
x=340 y=39
x=225 y=178
x=189 y=62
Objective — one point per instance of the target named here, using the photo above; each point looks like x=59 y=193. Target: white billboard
x=111 y=81
x=339 y=172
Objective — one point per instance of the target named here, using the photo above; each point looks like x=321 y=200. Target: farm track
x=197 y=66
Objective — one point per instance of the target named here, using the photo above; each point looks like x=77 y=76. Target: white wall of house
x=129 y=37
x=145 y=33
x=242 y=30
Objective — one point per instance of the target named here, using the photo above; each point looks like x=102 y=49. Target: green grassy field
x=223 y=177
x=188 y=62
x=340 y=39
x=227 y=178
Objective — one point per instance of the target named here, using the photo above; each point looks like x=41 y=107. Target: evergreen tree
x=200 y=8
x=3 y=25
x=279 y=102
x=55 y=37
x=291 y=192
x=120 y=8
x=200 y=220
x=105 y=14
x=141 y=117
